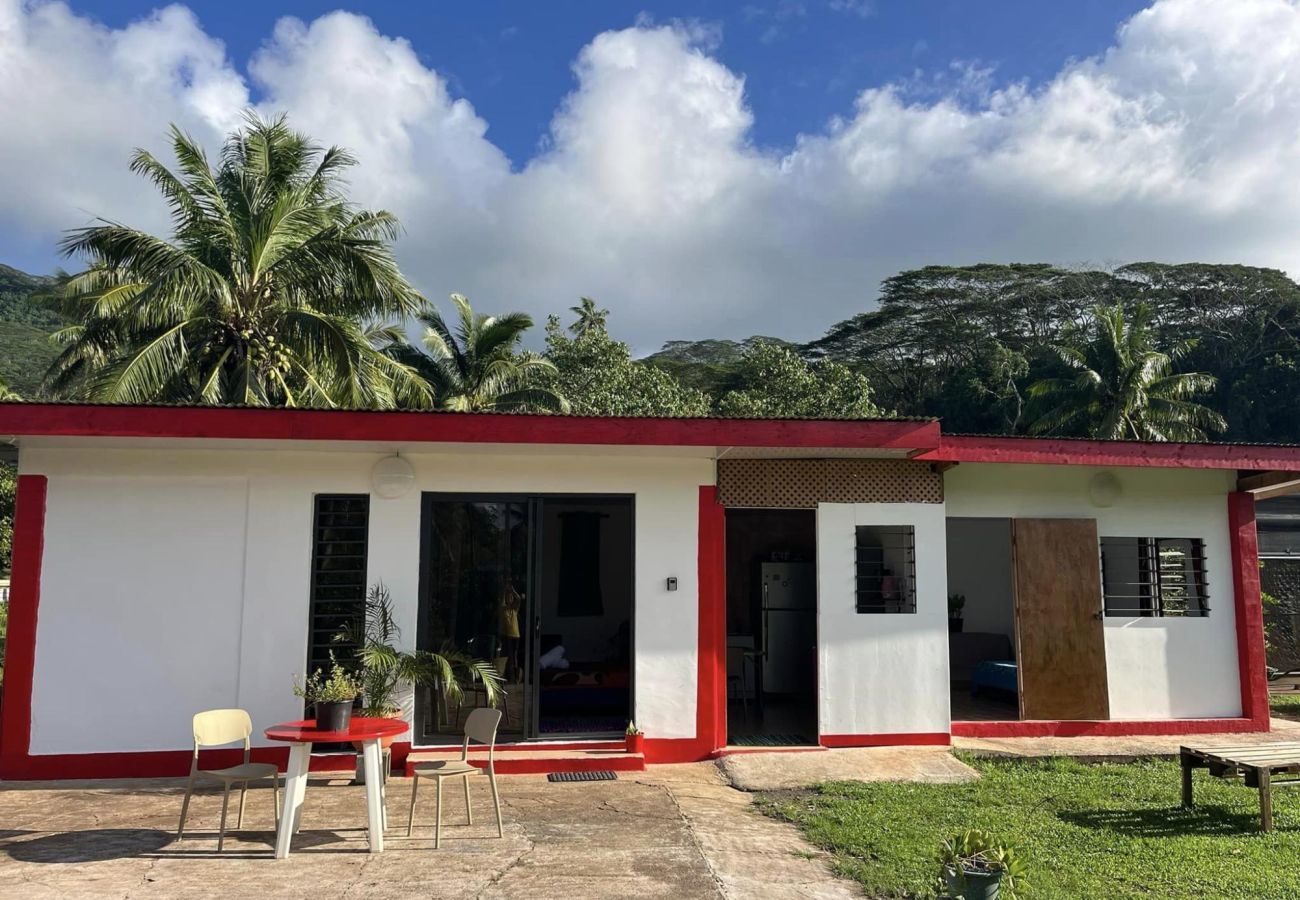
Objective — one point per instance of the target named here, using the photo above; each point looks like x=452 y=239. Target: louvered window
x=338 y=573
x=886 y=569
x=1154 y=576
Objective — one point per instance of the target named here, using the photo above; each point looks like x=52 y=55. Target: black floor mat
x=582 y=776
x=771 y=740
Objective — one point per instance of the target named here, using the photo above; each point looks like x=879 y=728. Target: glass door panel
x=476 y=577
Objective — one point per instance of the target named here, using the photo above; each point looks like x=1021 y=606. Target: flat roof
x=921 y=439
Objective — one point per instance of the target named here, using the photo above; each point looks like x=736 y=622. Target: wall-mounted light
x=392 y=477
x=1104 y=489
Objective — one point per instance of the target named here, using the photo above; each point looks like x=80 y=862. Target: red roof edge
x=90 y=420
x=1058 y=451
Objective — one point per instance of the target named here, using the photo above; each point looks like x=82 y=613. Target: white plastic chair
x=480 y=726
x=214 y=728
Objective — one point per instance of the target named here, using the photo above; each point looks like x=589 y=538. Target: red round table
x=300 y=736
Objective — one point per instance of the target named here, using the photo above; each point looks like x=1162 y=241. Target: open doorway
x=982 y=620
x=771 y=627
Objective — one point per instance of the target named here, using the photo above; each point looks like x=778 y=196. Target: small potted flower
x=975 y=866
x=332 y=696
x=635 y=739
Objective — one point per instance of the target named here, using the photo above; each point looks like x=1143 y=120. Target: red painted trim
x=1056 y=451
x=711 y=666
x=1249 y=609
x=915 y=739
x=505 y=765
x=1111 y=728
x=74 y=420
x=24 y=601
x=161 y=763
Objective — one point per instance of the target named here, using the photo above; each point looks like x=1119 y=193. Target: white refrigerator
x=788 y=627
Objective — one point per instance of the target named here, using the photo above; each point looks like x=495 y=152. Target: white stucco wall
x=175 y=580
x=1156 y=668
x=881 y=673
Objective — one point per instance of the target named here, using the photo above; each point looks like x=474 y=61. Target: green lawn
x=1086 y=831
x=1285 y=705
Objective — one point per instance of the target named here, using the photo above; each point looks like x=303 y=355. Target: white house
x=722 y=583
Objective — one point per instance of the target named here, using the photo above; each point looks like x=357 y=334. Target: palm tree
x=1123 y=387
x=476 y=367
x=590 y=317
x=268 y=293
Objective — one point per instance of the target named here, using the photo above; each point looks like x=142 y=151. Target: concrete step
x=539 y=762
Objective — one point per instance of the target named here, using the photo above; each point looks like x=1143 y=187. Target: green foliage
x=972 y=850
x=1120 y=385
x=478 y=365
x=258 y=299
x=8 y=493
x=338 y=686
x=26 y=324
x=712 y=366
x=589 y=316
x=1084 y=830
x=599 y=377
x=383 y=669
x=782 y=384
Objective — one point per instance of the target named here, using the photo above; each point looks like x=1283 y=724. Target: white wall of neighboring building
x=175 y=580
x=881 y=673
x=1156 y=668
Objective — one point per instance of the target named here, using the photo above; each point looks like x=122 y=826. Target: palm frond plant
x=590 y=317
x=264 y=295
x=477 y=365
x=1120 y=385
x=384 y=670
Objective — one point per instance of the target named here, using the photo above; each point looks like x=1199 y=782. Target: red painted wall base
x=1143 y=728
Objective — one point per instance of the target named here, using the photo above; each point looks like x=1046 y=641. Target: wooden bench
x=1256 y=765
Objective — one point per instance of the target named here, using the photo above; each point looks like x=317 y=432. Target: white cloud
x=1177 y=143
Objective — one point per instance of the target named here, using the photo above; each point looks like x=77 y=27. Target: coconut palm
x=478 y=366
x=269 y=291
x=1123 y=387
x=590 y=317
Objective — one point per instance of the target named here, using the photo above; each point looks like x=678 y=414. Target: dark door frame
x=535 y=502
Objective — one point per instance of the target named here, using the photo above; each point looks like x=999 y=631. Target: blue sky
x=804 y=60
x=702 y=169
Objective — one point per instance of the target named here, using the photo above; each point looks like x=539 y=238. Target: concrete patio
x=677 y=831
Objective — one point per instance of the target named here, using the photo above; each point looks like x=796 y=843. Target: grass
x=1105 y=831
x=1285 y=705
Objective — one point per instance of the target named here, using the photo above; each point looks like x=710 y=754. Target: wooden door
x=1060 y=638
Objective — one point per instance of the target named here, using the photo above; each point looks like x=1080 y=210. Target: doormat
x=772 y=740
x=582 y=776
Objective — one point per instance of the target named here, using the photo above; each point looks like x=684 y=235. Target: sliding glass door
x=541 y=587
x=477 y=576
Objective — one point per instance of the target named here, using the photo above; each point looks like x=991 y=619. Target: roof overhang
x=58 y=420
x=1068 y=451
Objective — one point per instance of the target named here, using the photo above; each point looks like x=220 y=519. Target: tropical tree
x=6 y=393
x=589 y=315
x=272 y=290
x=599 y=377
x=778 y=383
x=1120 y=385
x=478 y=365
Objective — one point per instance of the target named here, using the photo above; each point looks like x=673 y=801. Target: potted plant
x=975 y=866
x=956 y=603
x=384 y=670
x=332 y=696
x=635 y=739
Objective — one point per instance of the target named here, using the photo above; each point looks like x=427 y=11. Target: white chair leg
x=275 y=798
x=496 y=801
x=185 y=807
x=239 y=819
x=437 y=813
x=469 y=811
x=410 y=817
x=225 y=804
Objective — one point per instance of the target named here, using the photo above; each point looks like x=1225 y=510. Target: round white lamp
x=392 y=477
x=1104 y=489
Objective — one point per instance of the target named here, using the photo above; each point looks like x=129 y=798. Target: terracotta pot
x=636 y=743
